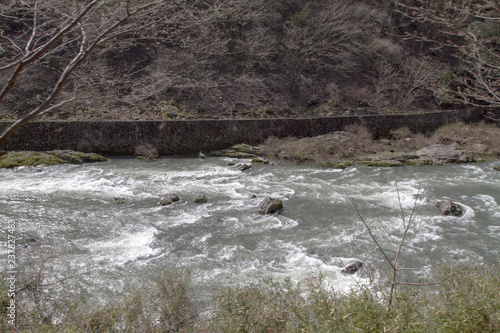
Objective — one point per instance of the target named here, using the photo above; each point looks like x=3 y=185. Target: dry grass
x=356 y=141
x=353 y=141
x=469 y=136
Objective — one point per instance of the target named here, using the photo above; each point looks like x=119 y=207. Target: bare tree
x=410 y=227
x=470 y=30
x=68 y=28
x=323 y=36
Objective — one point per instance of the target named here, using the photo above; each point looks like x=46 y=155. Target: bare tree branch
x=469 y=29
x=88 y=32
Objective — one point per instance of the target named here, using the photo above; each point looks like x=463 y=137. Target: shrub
x=468 y=135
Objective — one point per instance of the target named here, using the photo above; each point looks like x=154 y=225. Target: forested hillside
x=241 y=58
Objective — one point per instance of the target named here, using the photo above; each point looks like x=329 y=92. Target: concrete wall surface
x=184 y=137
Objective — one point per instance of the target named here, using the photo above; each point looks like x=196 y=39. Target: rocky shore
x=451 y=144
x=355 y=145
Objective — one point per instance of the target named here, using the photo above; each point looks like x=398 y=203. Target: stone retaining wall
x=183 y=137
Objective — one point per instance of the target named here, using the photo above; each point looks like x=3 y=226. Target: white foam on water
x=130 y=246
x=227 y=253
x=179 y=219
x=318 y=212
x=488 y=202
x=300 y=266
x=285 y=223
x=201 y=242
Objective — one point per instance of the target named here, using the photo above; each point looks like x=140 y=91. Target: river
x=71 y=211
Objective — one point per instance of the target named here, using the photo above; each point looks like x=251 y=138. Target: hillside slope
x=239 y=58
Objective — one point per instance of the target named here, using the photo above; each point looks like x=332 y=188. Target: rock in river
x=352 y=268
x=201 y=199
x=119 y=200
x=449 y=208
x=34 y=158
x=245 y=167
x=270 y=205
x=169 y=199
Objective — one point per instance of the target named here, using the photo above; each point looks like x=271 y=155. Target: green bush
x=466 y=302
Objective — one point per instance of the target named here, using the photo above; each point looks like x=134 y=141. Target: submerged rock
x=169 y=199
x=34 y=158
x=449 y=208
x=270 y=205
x=352 y=268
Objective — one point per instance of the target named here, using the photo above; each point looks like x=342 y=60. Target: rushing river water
x=72 y=211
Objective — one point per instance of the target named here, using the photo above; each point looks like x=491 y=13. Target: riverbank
x=355 y=145
x=449 y=144
x=452 y=143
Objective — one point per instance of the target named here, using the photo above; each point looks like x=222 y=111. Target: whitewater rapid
x=71 y=210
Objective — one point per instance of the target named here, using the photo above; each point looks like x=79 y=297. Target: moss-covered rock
x=28 y=158
x=383 y=163
x=270 y=205
x=244 y=148
x=34 y=158
x=76 y=157
x=259 y=160
x=338 y=164
x=237 y=154
x=424 y=162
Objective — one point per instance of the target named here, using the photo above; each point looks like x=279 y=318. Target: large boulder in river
x=270 y=206
x=28 y=158
x=169 y=199
x=449 y=208
x=34 y=158
x=352 y=268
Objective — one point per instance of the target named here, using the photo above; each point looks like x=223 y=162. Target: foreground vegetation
x=466 y=302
